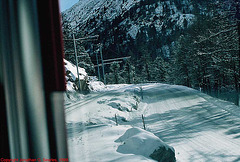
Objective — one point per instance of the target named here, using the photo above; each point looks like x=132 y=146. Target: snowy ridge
x=123 y=24
x=87 y=9
x=88 y=12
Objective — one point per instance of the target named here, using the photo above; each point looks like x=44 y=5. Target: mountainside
x=124 y=25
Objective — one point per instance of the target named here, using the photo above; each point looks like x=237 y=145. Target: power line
x=88 y=38
x=76 y=55
x=107 y=63
x=82 y=53
x=113 y=51
x=117 y=58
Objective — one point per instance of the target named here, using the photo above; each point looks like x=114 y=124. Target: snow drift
x=71 y=75
x=140 y=142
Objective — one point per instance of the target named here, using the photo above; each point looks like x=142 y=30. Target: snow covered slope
x=88 y=12
x=124 y=22
x=87 y=9
x=71 y=75
x=197 y=126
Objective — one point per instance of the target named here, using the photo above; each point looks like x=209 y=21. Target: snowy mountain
x=124 y=24
x=130 y=12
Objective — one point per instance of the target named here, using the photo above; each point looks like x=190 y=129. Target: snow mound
x=133 y=158
x=71 y=75
x=73 y=70
x=140 y=142
x=96 y=86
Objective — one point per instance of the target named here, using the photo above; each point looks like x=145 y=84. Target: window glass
x=152 y=80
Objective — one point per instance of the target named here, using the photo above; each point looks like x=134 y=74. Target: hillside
x=124 y=25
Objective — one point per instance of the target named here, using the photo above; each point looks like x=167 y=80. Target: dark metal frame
x=31 y=80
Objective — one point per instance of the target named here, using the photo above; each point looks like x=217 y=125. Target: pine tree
x=159 y=70
x=128 y=72
x=207 y=56
x=113 y=76
x=225 y=39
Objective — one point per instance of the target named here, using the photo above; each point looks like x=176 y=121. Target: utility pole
x=107 y=62
x=116 y=120
x=104 y=79
x=238 y=29
x=88 y=38
x=76 y=58
x=98 y=66
x=92 y=49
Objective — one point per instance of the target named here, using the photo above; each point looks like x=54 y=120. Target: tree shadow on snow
x=158 y=94
x=74 y=129
x=188 y=121
x=214 y=156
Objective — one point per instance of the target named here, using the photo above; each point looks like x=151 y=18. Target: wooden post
x=99 y=77
x=141 y=92
x=116 y=119
x=144 y=127
x=76 y=59
x=104 y=78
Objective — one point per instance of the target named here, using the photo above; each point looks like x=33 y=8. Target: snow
x=180 y=17
x=71 y=76
x=133 y=31
x=197 y=126
x=73 y=70
x=166 y=51
x=135 y=138
x=85 y=12
x=159 y=9
x=70 y=86
x=98 y=144
x=96 y=85
x=90 y=8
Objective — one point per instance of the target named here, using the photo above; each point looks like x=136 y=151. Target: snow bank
x=97 y=143
x=198 y=126
x=96 y=86
x=73 y=70
x=71 y=75
x=140 y=142
x=71 y=78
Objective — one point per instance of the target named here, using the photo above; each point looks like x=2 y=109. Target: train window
x=151 y=80
x=31 y=82
x=120 y=80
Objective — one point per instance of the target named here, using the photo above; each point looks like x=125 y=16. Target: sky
x=66 y=4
